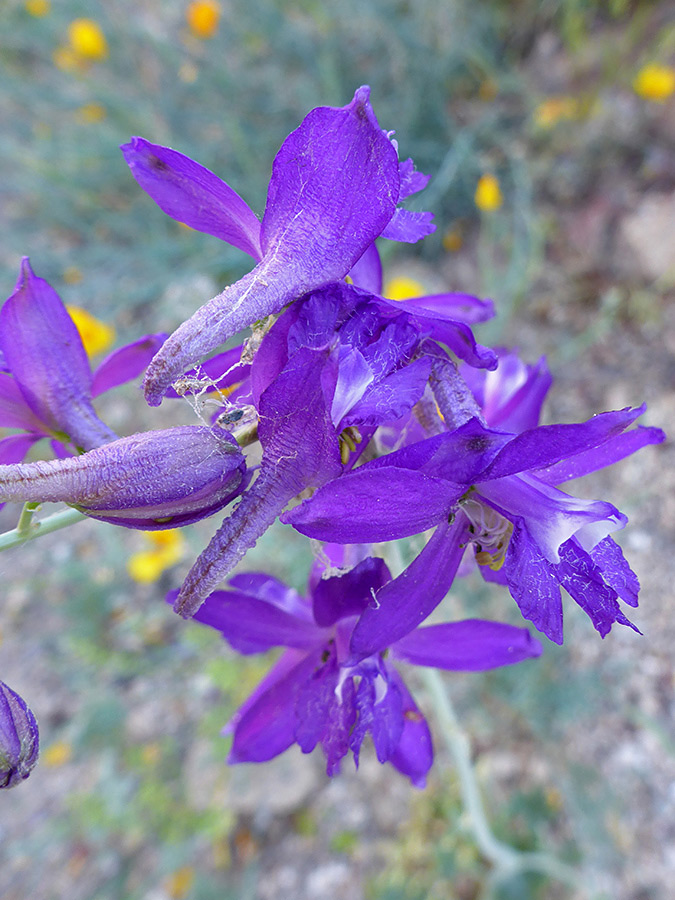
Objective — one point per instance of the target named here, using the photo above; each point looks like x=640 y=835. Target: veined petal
x=391 y=397
x=334 y=187
x=271 y=590
x=44 y=351
x=14 y=410
x=551 y=516
x=371 y=505
x=126 y=363
x=472 y=645
x=14 y=448
x=402 y=604
x=616 y=572
x=412 y=181
x=354 y=376
x=453 y=307
x=514 y=393
x=533 y=585
x=193 y=195
x=408 y=226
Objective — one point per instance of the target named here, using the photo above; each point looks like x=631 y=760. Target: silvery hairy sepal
x=150 y=480
x=19 y=738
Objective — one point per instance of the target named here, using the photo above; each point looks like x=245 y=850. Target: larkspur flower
x=316 y=693
x=19 y=738
x=496 y=490
x=47 y=386
x=336 y=365
x=151 y=480
x=335 y=186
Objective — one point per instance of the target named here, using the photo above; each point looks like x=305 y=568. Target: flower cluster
x=365 y=420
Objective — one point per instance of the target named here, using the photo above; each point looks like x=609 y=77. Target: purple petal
x=582 y=579
x=334 y=187
x=371 y=505
x=265 y=725
x=412 y=181
x=354 y=376
x=408 y=226
x=19 y=738
x=326 y=713
x=616 y=572
x=366 y=272
x=271 y=590
x=472 y=645
x=414 y=754
x=222 y=372
x=453 y=307
x=14 y=411
x=391 y=397
x=45 y=353
x=533 y=584
x=514 y=394
x=382 y=717
x=14 y=448
x=551 y=516
x=349 y=594
x=616 y=448
x=402 y=604
x=253 y=626
x=541 y=447
x=193 y=195
x=300 y=450
x=126 y=363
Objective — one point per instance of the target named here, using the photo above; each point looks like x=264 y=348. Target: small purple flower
x=496 y=490
x=151 y=480
x=46 y=382
x=336 y=182
x=19 y=738
x=317 y=693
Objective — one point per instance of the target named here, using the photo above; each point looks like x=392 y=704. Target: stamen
x=490 y=531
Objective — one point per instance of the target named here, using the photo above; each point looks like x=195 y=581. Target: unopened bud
x=19 y=738
x=154 y=479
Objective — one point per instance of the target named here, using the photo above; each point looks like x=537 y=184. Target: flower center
x=491 y=532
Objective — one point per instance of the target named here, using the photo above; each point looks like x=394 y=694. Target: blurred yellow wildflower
x=203 y=17
x=91 y=112
x=38 y=8
x=488 y=196
x=66 y=59
x=96 y=336
x=178 y=884
x=151 y=753
x=72 y=275
x=401 y=288
x=58 y=754
x=452 y=239
x=87 y=40
x=554 y=110
x=167 y=548
x=655 y=82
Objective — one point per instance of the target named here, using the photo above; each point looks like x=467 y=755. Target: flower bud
x=150 y=480
x=19 y=738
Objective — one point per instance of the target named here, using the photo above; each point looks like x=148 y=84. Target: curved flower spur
x=335 y=185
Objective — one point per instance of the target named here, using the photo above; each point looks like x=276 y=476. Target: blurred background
x=549 y=131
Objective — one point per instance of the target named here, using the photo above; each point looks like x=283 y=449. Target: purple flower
x=335 y=186
x=19 y=738
x=152 y=480
x=316 y=693
x=495 y=490
x=46 y=383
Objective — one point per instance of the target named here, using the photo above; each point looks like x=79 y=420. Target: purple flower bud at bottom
x=19 y=738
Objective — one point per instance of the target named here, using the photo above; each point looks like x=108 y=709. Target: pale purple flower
x=19 y=738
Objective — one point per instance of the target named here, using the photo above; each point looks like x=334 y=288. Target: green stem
x=506 y=860
x=26 y=530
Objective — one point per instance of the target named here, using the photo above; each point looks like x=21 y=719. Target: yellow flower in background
x=166 y=549
x=58 y=754
x=87 y=40
x=401 y=288
x=203 y=17
x=96 y=336
x=178 y=884
x=488 y=196
x=38 y=8
x=655 y=82
x=89 y=113
x=66 y=59
x=554 y=110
